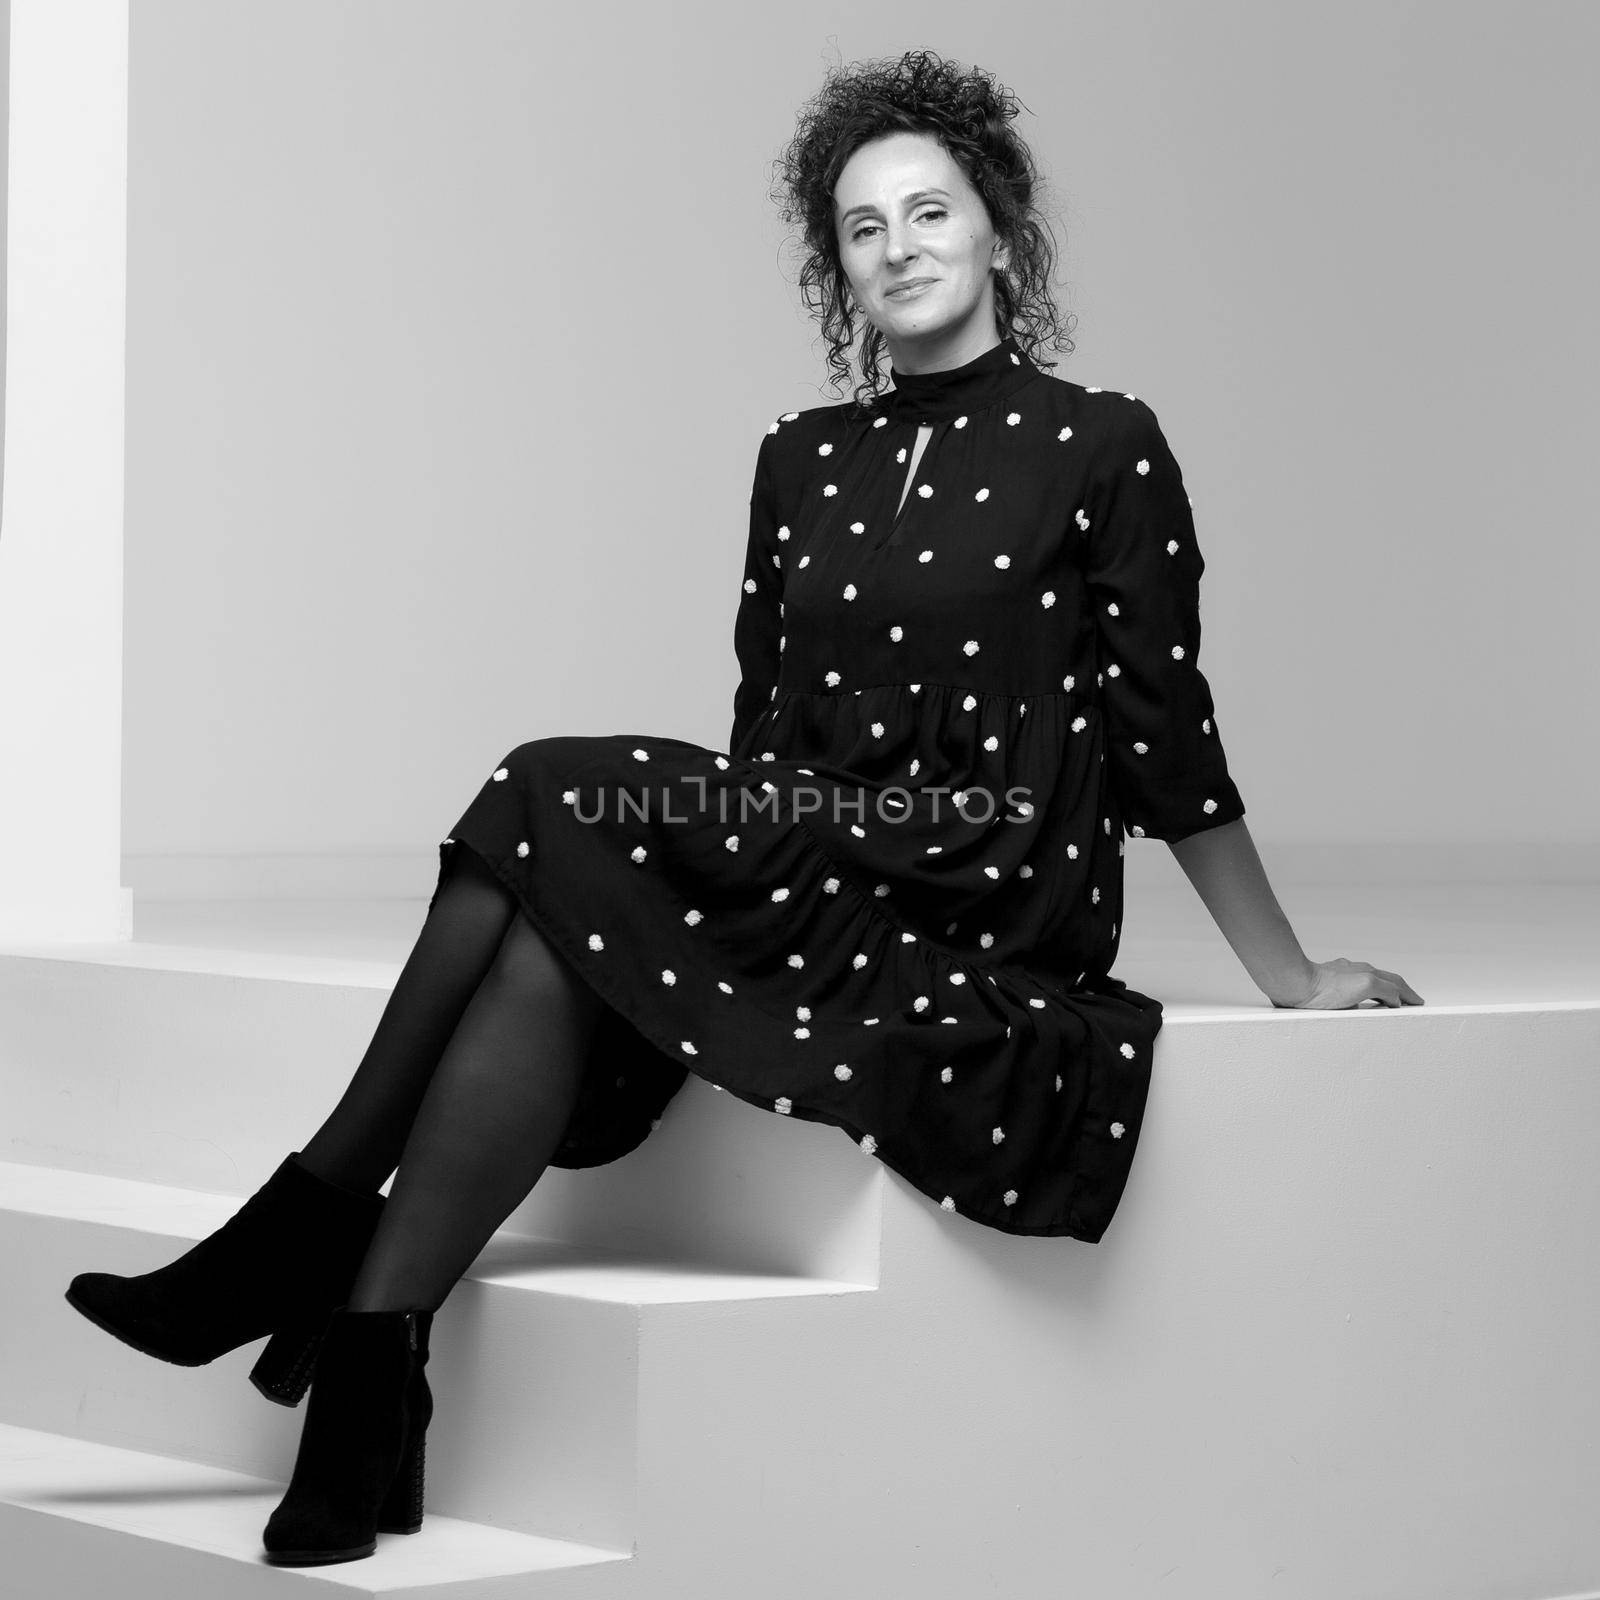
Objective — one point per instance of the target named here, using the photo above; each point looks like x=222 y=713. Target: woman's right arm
x=758 y=625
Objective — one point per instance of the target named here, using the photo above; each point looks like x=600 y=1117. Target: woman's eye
x=922 y=216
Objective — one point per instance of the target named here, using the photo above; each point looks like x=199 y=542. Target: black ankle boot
x=278 y=1266
x=359 y=1469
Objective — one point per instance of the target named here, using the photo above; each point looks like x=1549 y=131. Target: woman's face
x=903 y=211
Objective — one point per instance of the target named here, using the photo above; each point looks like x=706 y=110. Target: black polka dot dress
x=892 y=904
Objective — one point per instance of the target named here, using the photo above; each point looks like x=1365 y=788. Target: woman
x=968 y=641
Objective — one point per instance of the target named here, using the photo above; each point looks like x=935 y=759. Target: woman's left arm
x=1163 y=748
x=1227 y=874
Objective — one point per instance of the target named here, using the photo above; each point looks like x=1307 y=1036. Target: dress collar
x=935 y=396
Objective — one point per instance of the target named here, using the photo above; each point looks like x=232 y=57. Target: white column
x=61 y=528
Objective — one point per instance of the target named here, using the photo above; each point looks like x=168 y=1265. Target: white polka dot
x=824 y=449
x=998 y=1135
x=947 y=1074
x=783 y=1104
x=842 y=1073
x=687 y=1048
x=925 y=490
x=1066 y=433
x=1177 y=652
x=1209 y=807
x=970 y=647
x=501 y=774
x=1002 y=562
x=1142 y=468
x=1047 y=599
x=927 y=555
x=1082 y=521
x=897 y=633
x=522 y=849
x=982 y=494
x=1013 y=419
x=596 y=942
x=780 y=894
x=1010 y=1197
x=849 y=591
x=948 y=1203
x=1117 y=1130
x=868 y=1143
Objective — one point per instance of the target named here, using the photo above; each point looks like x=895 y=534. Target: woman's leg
x=494 y=1112
x=361 y=1141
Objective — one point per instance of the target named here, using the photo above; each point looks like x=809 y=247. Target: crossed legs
x=468 y=1085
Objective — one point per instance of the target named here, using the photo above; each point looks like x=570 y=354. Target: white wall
x=453 y=331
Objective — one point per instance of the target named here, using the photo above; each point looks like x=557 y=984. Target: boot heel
x=401 y=1511
x=283 y=1369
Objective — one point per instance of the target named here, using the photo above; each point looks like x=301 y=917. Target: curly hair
x=970 y=114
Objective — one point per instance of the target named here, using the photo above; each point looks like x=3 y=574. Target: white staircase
x=1337 y=1344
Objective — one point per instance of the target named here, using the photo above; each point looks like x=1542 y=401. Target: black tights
x=467 y=1086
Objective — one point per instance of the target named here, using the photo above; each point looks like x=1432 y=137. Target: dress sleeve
x=758 y=624
x=1143 y=565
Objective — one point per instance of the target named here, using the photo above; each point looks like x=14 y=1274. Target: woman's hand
x=1337 y=984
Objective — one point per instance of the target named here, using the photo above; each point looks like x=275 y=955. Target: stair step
x=166 y=1525
x=544 y=1266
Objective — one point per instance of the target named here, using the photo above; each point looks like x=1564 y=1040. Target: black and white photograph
x=799 y=801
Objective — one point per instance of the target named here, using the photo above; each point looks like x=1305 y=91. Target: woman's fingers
x=1407 y=995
